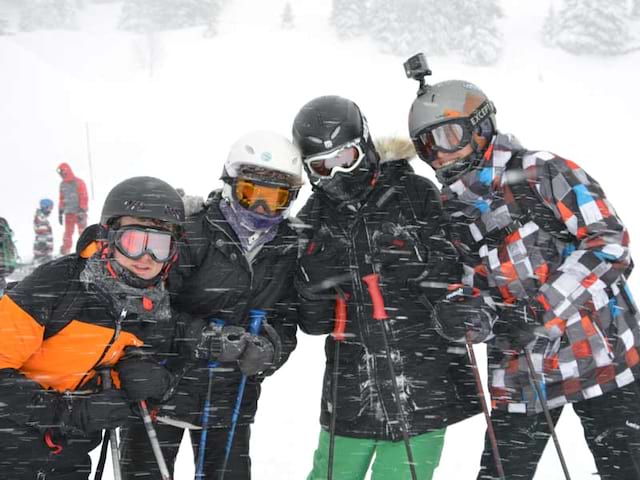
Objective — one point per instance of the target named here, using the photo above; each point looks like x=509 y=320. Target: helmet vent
x=134 y=205
x=172 y=211
x=249 y=149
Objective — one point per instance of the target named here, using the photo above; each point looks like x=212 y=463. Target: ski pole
x=379 y=313
x=105 y=375
x=485 y=410
x=148 y=423
x=338 y=336
x=153 y=440
x=103 y=456
x=256 y=318
x=545 y=409
x=205 y=415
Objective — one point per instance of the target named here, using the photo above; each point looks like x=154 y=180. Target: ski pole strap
x=48 y=440
x=340 y=323
x=373 y=284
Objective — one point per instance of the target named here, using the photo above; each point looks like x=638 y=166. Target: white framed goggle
x=344 y=159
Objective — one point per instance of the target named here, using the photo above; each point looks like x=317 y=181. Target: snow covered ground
x=177 y=119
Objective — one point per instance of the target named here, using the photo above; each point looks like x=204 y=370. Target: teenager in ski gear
x=43 y=243
x=8 y=253
x=365 y=217
x=538 y=235
x=77 y=315
x=72 y=205
x=240 y=254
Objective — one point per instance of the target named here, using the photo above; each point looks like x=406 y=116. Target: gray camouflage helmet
x=452 y=101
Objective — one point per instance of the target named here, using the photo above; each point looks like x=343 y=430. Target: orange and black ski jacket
x=56 y=331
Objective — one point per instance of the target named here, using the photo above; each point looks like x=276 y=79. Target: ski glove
x=85 y=413
x=60 y=217
x=519 y=325
x=262 y=352
x=323 y=266
x=143 y=378
x=399 y=257
x=463 y=315
x=219 y=343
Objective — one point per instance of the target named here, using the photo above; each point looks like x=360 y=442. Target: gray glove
x=262 y=352
x=220 y=343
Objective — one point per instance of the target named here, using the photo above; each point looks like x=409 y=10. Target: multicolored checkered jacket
x=561 y=244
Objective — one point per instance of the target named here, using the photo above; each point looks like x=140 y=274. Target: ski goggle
x=452 y=135
x=448 y=137
x=253 y=194
x=344 y=159
x=136 y=241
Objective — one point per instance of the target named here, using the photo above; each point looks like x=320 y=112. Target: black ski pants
x=611 y=425
x=138 y=461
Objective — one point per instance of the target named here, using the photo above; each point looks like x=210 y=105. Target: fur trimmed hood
x=394 y=148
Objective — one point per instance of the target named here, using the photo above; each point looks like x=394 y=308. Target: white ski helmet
x=267 y=156
x=265 y=150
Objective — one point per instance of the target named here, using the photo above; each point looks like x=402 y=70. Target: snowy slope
x=178 y=121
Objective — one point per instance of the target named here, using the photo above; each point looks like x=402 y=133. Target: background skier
x=43 y=243
x=72 y=206
x=77 y=315
x=364 y=219
x=539 y=235
x=240 y=253
x=8 y=253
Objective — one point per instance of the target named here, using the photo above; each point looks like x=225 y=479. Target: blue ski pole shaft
x=257 y=316
x=205 y=418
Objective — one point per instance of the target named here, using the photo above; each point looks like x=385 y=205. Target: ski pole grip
x=373 y=284
x=340 y=323
x=256 y=317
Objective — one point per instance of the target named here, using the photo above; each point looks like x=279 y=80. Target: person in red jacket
x=73 y=205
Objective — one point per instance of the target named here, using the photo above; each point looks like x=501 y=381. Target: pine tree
x=594 y=27
x=48 y=15
x=349 y=18
x=287 y=17
x=550 y=27
x=154 y=15
x=482 y=38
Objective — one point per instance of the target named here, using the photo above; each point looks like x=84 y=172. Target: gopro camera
x=416 y=67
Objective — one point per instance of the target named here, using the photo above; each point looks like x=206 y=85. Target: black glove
x=323 y=266
x=143 y=378
x=86 y=413
x=60 y=217
x=519 y=325
x=399 y=256
x=462 y=316
x=217 y=343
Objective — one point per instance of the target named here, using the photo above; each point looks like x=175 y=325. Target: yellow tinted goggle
x=260 y=197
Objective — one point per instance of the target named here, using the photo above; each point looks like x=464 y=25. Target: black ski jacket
x=216 y=281
x=398 y=233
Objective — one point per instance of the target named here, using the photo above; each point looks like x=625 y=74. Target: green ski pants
x=352 y=457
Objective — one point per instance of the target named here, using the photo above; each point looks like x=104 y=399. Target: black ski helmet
x=326 y=124
x=143 y=197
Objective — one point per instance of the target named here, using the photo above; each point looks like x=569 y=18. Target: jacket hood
x=394 y=148
x=65 y=172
